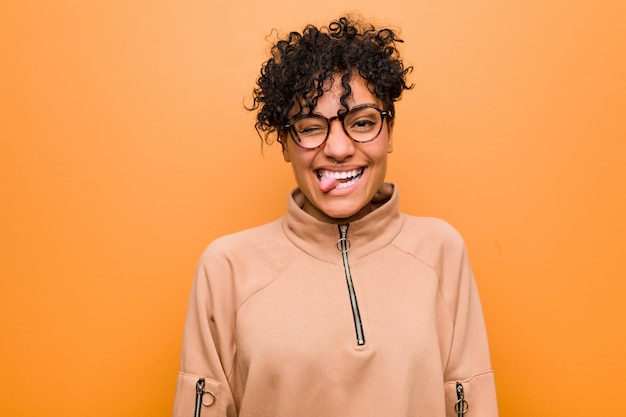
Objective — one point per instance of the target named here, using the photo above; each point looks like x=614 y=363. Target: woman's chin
x=337 y=211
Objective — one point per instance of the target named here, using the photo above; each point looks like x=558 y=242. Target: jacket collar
x=366 y=235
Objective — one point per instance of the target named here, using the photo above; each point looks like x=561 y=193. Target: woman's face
x=365 y=164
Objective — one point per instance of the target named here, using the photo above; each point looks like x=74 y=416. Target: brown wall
x=125 y=149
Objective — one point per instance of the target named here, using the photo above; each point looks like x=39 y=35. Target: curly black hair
x=296 y=75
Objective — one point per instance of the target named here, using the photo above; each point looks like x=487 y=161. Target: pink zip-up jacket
x=294 y=319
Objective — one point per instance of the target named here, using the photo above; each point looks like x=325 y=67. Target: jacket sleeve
x=208 y=343
x=469 y=362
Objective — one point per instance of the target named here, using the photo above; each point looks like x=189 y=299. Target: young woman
x=344 y=306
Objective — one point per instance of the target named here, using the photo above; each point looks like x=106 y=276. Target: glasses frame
x=290 y=126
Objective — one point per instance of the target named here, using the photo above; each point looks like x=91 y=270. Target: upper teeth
x=340 y=175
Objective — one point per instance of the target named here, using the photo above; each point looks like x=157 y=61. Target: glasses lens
x=363 y=124
x=310 y=130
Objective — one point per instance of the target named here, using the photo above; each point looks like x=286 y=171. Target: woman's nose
x=339 y=145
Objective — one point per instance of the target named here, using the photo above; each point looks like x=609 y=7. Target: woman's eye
x=362 y=124
x=311 y=130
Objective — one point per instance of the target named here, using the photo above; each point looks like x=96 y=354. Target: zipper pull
x=343 y=244
x=461 y=406
x=200 y=391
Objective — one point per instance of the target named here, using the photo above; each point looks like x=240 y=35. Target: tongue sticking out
x=327 y=184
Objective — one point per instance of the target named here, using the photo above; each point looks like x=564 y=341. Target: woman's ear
x=390 y=137
x=282 y=139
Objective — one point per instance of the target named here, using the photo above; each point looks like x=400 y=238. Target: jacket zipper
x=200 y=391
x=461 y=405
x=344 y=247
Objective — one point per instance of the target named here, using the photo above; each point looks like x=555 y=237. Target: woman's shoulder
x=432 y=235
x=431 y=227
x=246 y=239
x=242 y=262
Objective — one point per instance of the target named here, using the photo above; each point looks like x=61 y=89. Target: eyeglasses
x=361 y=124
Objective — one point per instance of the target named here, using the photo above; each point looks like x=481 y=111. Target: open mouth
x=332 y=179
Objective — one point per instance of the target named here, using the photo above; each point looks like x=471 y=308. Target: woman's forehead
x=329 y=99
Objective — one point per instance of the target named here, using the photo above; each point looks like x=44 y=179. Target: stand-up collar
x=366 y=235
